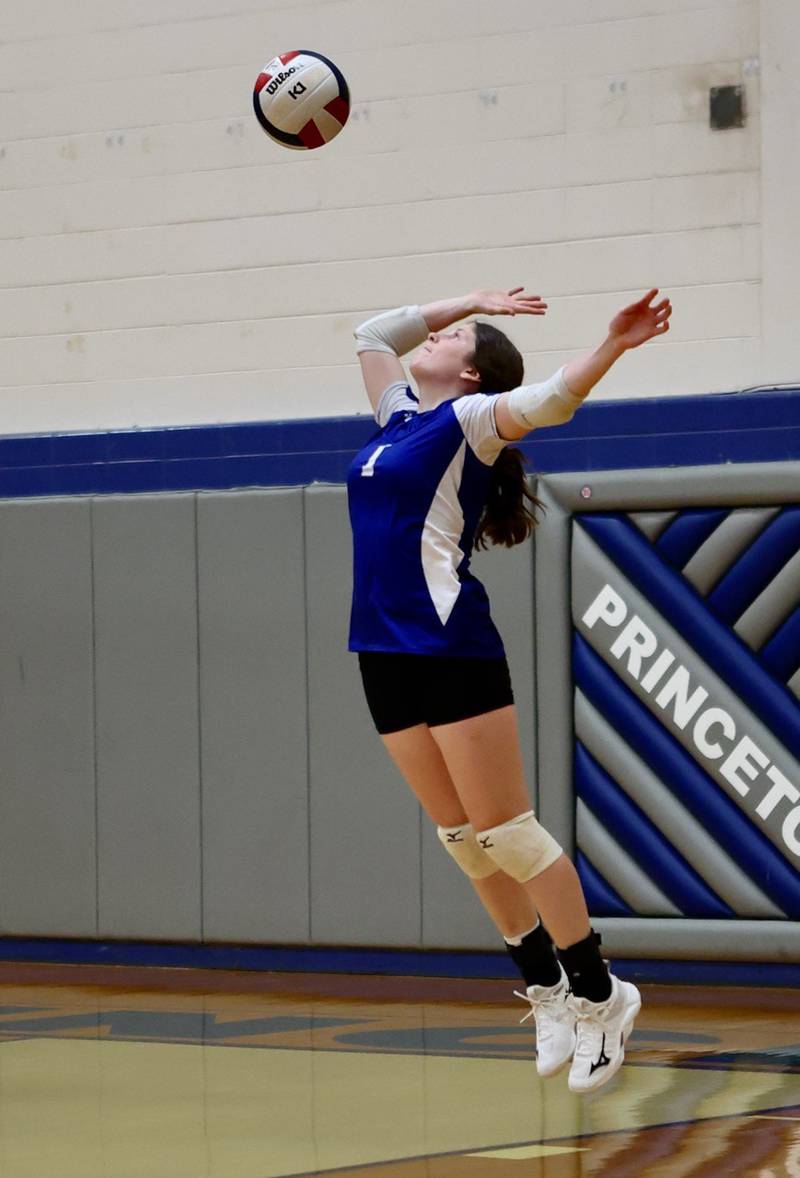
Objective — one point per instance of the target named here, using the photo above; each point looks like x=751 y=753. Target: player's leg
x=398 y=690
x=419 y=760
x=483 y=757
x=509 y=903
x=394 y=686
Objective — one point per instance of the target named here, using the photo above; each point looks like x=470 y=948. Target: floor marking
x=528 y=1151
x=768 y=1117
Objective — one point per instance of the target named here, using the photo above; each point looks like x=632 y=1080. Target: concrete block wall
x=162 y=262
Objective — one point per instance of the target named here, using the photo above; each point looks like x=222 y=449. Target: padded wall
x=677 y=594
x=186 y=754
x=48 y=867
x=253 y=716
x=364 y=827
x=146 y=707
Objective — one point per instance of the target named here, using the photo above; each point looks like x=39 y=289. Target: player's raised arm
x=555 y=400
x=381 y=341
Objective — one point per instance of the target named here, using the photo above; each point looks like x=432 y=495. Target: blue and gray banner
x=668 y=629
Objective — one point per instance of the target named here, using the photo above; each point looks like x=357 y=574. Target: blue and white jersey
x=416 y=493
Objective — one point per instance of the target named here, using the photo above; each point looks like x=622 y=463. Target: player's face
x=445 y=355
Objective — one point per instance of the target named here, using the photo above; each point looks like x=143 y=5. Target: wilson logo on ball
x=276 y=82
x=309 y=112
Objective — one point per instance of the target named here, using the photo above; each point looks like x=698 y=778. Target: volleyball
x=301 y=99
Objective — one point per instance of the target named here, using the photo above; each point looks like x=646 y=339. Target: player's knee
x=461 y=843
x=521 y=847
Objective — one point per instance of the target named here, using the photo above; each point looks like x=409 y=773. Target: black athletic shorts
x=407 y=689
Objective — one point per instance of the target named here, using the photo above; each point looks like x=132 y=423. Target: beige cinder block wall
x=163 y=262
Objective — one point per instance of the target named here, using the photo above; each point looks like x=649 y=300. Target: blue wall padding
x=686 y=532
x=601 y=899
x=681 y=605
x=675 y=768
x=209 y=457
x=605 y=435
x=782 y=652
x=643 y=842
x=756 y=567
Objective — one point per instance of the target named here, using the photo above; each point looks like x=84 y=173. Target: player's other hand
x=639 y=322
x=512 y=302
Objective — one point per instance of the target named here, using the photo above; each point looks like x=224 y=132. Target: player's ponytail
x=510 y=513
x=509 y=516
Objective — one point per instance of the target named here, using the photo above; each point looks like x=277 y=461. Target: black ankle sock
x=587 y=972
x=536 y=958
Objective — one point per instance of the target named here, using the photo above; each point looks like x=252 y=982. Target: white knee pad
x=520 y=847
x=460 y=842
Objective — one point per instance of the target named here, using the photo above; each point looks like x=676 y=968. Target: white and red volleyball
x=301 y=99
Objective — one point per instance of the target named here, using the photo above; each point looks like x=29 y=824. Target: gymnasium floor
x=113 y=1072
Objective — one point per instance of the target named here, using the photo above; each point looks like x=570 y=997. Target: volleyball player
x=437 y=479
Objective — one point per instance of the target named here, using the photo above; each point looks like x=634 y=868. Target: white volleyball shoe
x=601 y=1029
x=555 y=1025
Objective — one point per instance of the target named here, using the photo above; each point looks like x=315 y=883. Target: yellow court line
x=523 y=1152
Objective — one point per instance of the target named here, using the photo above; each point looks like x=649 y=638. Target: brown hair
x=509 y=516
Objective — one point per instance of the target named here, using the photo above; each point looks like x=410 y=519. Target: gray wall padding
x=48 y=883
x=625 y=876
x=187 y=753
x=652 y=523
x=552 y=644
x=719 y=485
x=733 y=536
x=146 y=703
x=364 y=827
x=772 y=606
x=253 y=716
x=507 y=574
x=700 y=940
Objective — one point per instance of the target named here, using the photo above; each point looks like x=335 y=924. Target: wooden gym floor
x=113 y=1072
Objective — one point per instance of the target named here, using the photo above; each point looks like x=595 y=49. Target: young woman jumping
x=437 y=479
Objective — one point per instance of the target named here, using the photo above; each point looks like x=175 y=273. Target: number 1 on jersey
x=368 y=469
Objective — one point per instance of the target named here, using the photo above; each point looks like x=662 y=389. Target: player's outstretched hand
x=512 y=302
x=636 y=324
